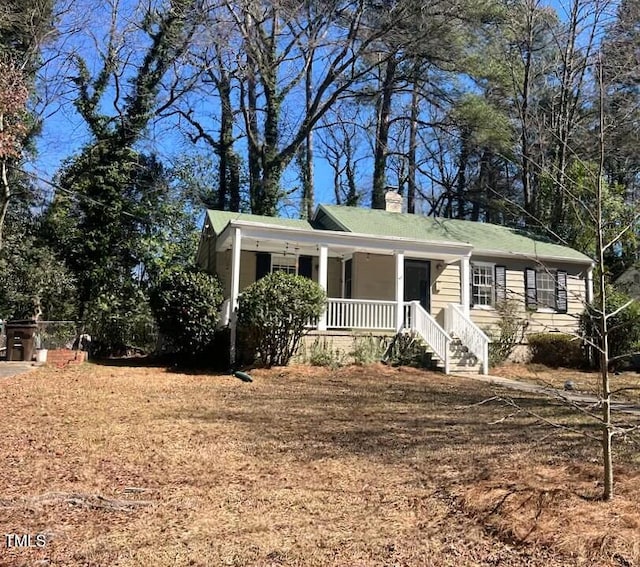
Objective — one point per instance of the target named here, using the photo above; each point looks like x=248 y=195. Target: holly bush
x=186 y=306
x=275 y=310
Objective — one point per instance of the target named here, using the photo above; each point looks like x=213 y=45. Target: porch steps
x=461 y=362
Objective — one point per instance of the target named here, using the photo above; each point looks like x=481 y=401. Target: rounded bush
x=186 y=305
x=556 y=349
x=275 y=311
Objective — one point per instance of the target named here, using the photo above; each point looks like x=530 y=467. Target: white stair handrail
x=458 y=324
x=433 y=334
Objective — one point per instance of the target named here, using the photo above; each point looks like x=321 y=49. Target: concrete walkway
x=571 y=396
x=9 y=369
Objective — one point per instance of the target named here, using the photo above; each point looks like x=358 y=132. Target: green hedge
x=556 y=349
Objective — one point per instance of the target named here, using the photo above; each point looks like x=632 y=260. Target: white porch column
x=465 y=284
x=322 y=281
x=399 y=290
x=236 y=247
x=589 y=297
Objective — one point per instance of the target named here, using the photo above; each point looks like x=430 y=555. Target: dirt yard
x=114 y=466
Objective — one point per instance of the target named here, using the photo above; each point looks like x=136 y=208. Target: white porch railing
x=427 y=327
x=360 y=314
x=458 y=324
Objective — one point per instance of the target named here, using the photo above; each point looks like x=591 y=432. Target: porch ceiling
x=265 y=238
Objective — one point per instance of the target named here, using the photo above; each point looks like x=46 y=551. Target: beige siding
x=445 y=288
x=206 y=255
x=373 y=276
x=543 y=320
x=334 y=275
x=248 y=271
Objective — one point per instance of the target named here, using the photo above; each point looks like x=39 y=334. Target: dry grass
x=625 y=385
x=309 y=467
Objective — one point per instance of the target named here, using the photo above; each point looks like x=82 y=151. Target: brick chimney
x=392 y=201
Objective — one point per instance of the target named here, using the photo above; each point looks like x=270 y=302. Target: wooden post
x=236 y=248
x=322 y=281
x=399 y=291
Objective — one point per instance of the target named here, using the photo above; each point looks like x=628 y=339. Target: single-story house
x=385 y=272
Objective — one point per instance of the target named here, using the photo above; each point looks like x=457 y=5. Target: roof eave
x=344 y=239
x=540 y=257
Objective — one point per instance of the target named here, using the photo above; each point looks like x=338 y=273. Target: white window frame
x=549 y=275
x=492 y=297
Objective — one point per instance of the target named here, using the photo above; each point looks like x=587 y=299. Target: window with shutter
x=561 y=291
x=501 y=283
x=531 y=299
x=546 y=288
x=482 y=284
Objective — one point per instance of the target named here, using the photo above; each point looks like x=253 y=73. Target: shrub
x=120 y=322
x=368 y=349
x=510 y=331
x=186 y=305
x=275 y=310
x=321 y=353
x=407 y=349
x=624 y=327
x=556 y=349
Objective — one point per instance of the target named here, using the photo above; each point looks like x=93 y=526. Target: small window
x=482 y=284
x=287 y=264
x=546 y=289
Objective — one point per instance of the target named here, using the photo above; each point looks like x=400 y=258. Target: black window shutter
x=471 y=286
x=304 y=266
x=501 y=283
x=531 y=297
x=263 y=264
x=561 y=291
x=348 y=267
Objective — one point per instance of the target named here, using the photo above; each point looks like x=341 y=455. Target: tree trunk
x=382 y=136
x=5 y=196
x=225 y=145
x=461 y=184
x=607 y=425
x=413 y=131
x=308 y=196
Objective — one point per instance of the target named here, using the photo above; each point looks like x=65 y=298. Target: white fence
x=361 y=314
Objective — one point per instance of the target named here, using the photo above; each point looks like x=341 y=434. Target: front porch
x=373 y=283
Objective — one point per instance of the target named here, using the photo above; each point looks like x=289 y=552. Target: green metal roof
x=220 y=219
x=484 y=237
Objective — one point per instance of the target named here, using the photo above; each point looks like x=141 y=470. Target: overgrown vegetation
x=511 y=327
x=556 y=350
x=624 y=327
x=275 y=311
x=368 y=349
x=322 y=353
x=186 y=305
x=407 y=349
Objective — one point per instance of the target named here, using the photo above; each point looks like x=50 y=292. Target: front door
x=417 y=282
